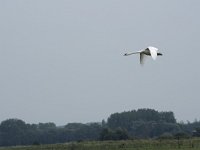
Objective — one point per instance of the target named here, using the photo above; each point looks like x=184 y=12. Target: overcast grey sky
x=62 y=60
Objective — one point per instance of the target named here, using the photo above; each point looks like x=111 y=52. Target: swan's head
x=125 y=54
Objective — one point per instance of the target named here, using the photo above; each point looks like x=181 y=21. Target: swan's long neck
x=127 y=54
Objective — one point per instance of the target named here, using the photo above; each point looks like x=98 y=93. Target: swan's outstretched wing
x=153 y=52
x=142 y=58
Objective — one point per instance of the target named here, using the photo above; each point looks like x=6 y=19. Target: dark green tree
x=13 y=132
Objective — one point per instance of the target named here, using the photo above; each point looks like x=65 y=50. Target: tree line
x=141 y=123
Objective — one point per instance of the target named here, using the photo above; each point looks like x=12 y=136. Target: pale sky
x=62 y=61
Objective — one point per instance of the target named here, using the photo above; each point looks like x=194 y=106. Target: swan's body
x=149 y=51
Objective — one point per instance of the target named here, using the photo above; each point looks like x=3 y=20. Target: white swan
x=150 y=51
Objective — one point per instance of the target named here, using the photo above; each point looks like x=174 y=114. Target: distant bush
x=36 y=143
x=166 y=136
x=181 y=135
x=109 y=134
x=196 y=132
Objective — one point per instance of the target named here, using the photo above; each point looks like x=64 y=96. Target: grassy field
x=189 y=144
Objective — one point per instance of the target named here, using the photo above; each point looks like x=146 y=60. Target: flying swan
x=149 y=51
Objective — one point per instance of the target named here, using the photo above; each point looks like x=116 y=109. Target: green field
x=189 y=144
